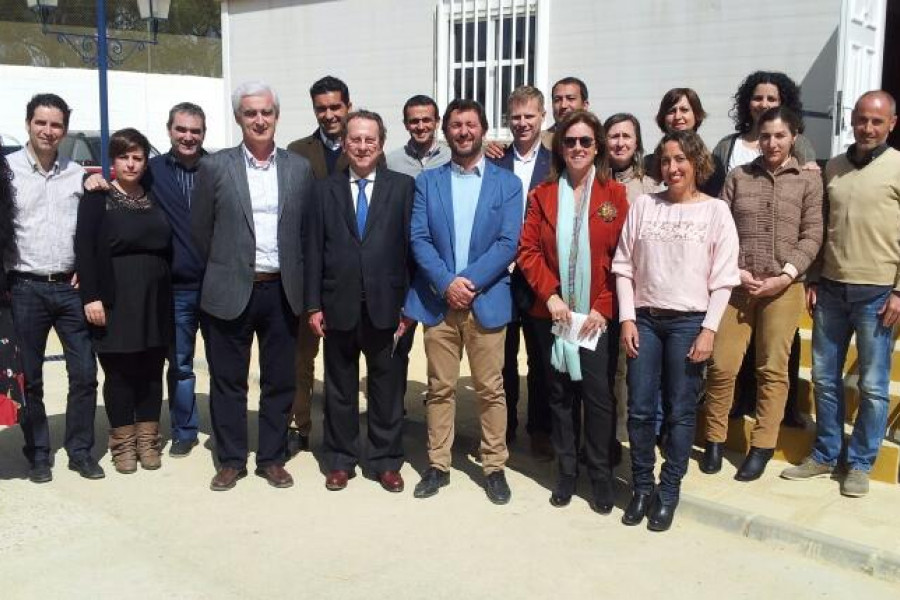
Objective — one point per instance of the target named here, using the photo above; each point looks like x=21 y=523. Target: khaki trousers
x=307 y=350
x=774 y=321
x=444 y=344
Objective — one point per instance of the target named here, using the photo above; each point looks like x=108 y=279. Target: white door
x=859 y=64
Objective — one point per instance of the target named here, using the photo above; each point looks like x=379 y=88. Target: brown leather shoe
x=276 y=475
x=226 y=478
x=337 y=479
x=391 y=481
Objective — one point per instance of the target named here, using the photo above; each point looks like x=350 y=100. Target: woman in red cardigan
x=568 y=241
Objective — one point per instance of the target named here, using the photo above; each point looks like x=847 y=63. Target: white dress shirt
x=523 y=167
x=354 y=187
x=46 y=213
x=262 y=179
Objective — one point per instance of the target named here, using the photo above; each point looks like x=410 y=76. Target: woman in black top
x=10 y=368
x=122 y=253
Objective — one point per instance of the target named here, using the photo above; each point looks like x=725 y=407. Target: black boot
x=712 y=458
x=562 y=493
x=754 y=464
x=637 y=509
x=661 y=515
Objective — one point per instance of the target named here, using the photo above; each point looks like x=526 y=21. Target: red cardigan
x=537 y=257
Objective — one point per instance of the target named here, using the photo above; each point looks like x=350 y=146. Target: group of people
x=633 y=279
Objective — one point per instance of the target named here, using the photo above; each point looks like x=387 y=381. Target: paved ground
x=164 y=534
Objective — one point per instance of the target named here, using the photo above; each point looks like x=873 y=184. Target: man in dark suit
x=529 y=159
x=247 y=216
x=356 y=281
x=322 y=148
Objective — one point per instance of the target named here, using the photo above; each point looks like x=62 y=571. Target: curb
x=822 y=547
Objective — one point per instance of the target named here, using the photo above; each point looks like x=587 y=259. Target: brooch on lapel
x=607 y=212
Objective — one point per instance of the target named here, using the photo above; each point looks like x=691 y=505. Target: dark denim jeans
x=180 y=374
x=841 y=310
x=662 y=363
x=38 y=307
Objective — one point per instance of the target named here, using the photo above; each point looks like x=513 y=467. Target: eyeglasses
x=585 y=141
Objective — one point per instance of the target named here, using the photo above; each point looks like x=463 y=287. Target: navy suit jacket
x=541 y=164
x=495 y=237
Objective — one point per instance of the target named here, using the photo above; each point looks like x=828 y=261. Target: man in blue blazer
x=466 y=220
x=529 y=159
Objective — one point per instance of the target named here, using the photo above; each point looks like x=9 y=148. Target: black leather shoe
x=87 y=467
x=296 y=442
x=661 y=515
x=40 y=473
x=712 y=458
x=754 y=464
x=181 y=448
x=637 y=509
x=496 y=488
x=601 y=497
x=432 y=482
x=562 y=493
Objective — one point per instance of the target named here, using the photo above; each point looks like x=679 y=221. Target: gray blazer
x=222 y=226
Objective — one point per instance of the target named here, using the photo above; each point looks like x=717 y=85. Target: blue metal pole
x=102 y=66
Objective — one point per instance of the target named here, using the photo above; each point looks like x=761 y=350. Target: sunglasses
x=585 y=141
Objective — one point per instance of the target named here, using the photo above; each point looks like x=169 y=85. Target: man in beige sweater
x=855 y=288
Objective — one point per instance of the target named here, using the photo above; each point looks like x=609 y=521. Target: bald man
x=855 y=288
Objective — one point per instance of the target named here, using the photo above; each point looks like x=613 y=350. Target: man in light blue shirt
x=466 y=220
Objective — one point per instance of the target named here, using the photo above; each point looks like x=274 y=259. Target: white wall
x=631 y=53
x=628 y=53
x=135 y=100
x=383 y=50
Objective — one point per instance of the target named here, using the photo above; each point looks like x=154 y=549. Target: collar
x=36 y=165
x=530 y=155
x=172 y=160
x=370 y=177
x=263 y=165
x=625 y=175
x=868 y=158
x=791 y=164
x=333 y=145
x=410 y=148
x=477 y=170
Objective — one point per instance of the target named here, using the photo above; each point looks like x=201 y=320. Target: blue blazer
x=541 y=164
x=495 y=237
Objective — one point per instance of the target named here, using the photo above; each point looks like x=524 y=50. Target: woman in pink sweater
x=675 y=266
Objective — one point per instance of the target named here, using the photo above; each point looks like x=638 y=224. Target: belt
x=259 y=277
x=50 y=278
x=668 y=313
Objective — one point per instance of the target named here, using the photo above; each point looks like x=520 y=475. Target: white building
x=629 y=53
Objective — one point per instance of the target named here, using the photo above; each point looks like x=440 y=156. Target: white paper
x=570 y=332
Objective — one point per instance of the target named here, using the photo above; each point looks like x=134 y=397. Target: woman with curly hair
x=759 y=92
x=10 y=368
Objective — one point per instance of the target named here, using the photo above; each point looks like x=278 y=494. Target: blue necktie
x=362 y=207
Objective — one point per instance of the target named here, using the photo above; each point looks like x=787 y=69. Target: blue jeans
x=37 y=307
x=842 y=309
x=180 y=374
x=662 y=363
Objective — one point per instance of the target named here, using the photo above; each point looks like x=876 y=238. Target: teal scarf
x=574 y=250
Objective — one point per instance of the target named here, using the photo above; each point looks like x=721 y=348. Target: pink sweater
x=678 y=257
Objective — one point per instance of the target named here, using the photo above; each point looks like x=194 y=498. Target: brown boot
x=148 y=445
x=123 y=448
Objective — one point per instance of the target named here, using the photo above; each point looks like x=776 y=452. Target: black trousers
x=268 y=315
x=132 y=386
x=401 y=353
x=385 y=410
x=598 y=370
x=538 y=407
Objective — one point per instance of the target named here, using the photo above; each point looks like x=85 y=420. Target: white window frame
x=452 y=12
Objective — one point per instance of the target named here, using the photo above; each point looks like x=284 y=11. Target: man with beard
x=466 y=220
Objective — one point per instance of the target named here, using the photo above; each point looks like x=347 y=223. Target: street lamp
x=99 y=49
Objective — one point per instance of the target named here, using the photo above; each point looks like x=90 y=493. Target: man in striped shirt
x=44 y=288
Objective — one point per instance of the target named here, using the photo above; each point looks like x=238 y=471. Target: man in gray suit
x=247 y=216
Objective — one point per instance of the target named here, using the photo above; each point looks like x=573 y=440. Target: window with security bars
x=487 y=48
